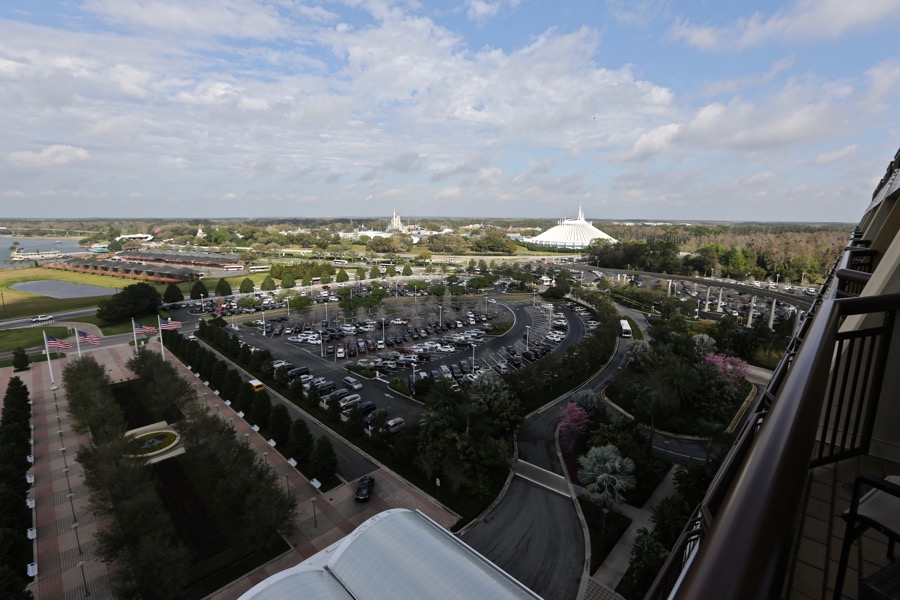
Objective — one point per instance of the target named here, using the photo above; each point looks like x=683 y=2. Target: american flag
x=56 y=343
x=138 y=328
x=170 y=324
x=88 y=338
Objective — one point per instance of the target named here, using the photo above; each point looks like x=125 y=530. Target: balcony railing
x=819 y=407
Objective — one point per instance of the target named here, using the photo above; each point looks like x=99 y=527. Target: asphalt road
x=535 y=536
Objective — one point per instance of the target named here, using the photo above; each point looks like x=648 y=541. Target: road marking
x=543 y=485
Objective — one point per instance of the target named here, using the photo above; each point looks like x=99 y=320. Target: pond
x=62 y=289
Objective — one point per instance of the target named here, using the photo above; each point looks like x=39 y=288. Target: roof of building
x=570 y=233
x=396 y=554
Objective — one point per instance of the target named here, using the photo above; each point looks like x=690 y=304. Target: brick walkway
x=57 y=547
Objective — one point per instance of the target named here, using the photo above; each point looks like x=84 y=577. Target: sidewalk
x=610 y=573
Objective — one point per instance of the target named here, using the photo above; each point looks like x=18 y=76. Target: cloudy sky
x=656 y=110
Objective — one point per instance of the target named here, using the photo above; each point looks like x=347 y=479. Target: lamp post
x=603 y=526
x=315 y=521
x=473 y=357
x=440 y=314
x=777 y=276
x=527 y=332
x=80 y=565
x=2 y=299
x=77 y=539
x=382 y=329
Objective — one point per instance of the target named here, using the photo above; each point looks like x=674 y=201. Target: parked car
x=364 y=489
x=372 y=416
x=297 y=371
x=348 y=402
x=335 y=395
x=367 y=407
x=352 y=382
x=395 y=425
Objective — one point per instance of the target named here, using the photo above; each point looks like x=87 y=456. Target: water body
x=62 y=289
x=35 y=244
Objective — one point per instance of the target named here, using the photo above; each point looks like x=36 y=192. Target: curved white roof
x=570 y=233
x=397 y=554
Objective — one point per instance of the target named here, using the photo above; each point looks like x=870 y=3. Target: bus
x=339 y=261
x=258 y=268
x=626 y=328
x=232 y=267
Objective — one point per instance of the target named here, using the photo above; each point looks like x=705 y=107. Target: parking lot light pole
x=527 y=331
x=382 y=330
x=440 y=314
x=315 y=521
x=80 y=565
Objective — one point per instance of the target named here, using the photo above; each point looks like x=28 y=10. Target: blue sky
x=654 y=110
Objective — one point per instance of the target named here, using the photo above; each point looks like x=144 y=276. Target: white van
x=349 y=329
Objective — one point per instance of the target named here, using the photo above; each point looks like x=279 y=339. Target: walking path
x=610 y=573
x=67 y=563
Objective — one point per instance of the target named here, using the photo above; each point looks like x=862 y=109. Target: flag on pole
x=56 y=343
x=170 y=324
x=138 y=328
x=88 y=338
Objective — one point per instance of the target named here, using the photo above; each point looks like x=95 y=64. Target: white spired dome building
x=574 y=234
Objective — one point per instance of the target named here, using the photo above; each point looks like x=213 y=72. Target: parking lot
x=411 y=340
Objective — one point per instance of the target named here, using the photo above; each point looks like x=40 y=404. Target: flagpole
x=134 y=333
x=78 y=342
x=47 y=352
x=161 y=346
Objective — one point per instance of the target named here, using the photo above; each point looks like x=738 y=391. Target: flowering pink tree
x=732 y=368
x=574 y=423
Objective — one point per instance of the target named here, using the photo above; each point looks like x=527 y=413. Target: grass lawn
x=29 y=337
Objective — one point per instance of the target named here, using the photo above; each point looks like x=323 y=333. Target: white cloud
x=51 y=156
x=655 y=141
x=480 y=11
x=803 y=20
x=837 y=155
x=231 y=18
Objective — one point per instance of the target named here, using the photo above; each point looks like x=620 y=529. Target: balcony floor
x=828 y=494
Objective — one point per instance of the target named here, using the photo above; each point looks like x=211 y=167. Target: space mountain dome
x=575 y=234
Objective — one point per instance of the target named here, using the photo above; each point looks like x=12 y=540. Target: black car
x=370 y=418
x=364 y=490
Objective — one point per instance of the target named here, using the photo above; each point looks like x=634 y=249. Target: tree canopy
x=132 y=301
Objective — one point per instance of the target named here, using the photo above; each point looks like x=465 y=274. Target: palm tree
x=604 y=471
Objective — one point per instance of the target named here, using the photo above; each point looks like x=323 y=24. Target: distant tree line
x=785 y=253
